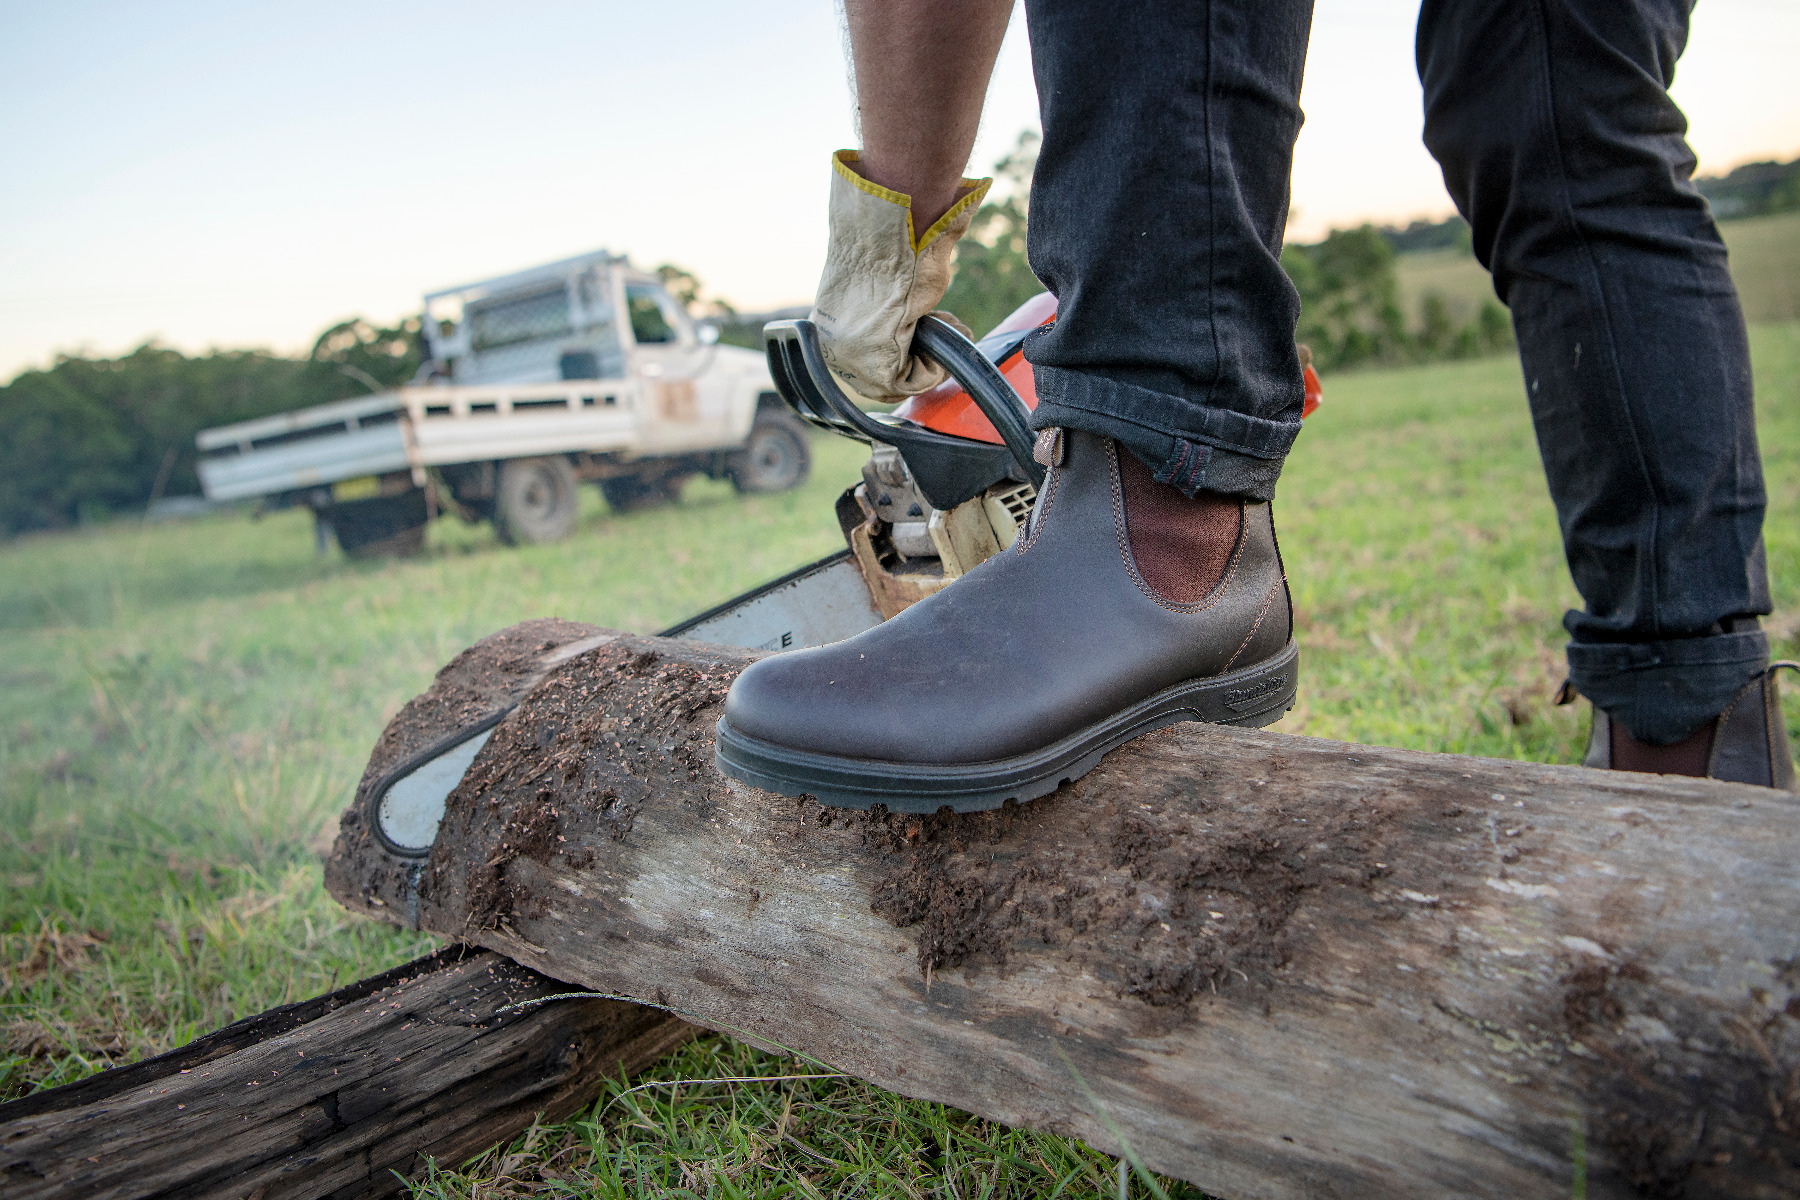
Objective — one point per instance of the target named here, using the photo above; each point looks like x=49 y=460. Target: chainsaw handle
x=944 y=345
x=948 y=469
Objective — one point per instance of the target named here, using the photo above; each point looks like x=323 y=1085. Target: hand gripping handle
x=940 y=342
x=798 y=366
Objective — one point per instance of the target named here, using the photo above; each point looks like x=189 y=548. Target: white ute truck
x=585 y=369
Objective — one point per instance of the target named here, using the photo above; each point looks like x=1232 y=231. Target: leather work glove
x=880 y=278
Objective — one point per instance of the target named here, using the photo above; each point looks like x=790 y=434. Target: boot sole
x=1252 y=696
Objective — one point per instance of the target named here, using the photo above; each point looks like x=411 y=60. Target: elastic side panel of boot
x=1744 y=750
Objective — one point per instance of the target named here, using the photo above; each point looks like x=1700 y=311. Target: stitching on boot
x=1124 y=541
x=1041 y=513
x=1262 y=615
x=1774 y=726
x=1280 y=568
x=1719 y=722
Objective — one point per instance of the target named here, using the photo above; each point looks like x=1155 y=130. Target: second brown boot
x=1747 y=743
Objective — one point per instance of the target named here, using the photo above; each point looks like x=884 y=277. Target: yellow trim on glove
x=840 y=162
x=977 y=190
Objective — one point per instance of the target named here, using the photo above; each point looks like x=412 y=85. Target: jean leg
x=1157 y=214
x=1560 y=145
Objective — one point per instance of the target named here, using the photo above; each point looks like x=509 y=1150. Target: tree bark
x=1273 y=966
x=331 y=1097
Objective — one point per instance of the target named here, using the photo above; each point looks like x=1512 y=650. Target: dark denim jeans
x=1157 y=215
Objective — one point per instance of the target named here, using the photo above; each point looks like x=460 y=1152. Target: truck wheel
x=776 y=456
x=535 y=500
x=387 y=527
x=629 y=493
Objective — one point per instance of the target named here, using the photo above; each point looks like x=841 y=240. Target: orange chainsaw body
x=948 y=408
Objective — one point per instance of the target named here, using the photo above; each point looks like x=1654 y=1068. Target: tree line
x=1350 y=312
x=91 y=436
x=1757 y=189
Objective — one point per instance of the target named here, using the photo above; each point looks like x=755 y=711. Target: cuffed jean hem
x=1229 y=453
x=1663 y=691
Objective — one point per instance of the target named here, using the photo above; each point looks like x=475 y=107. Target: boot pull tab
x=1566 y=694
x=1048 y=449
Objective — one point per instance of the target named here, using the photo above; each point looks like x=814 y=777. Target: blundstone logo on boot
x=1242 y=698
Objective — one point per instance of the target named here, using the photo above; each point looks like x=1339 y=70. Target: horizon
x=211 y=178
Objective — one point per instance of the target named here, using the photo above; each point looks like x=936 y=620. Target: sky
x=246 y=174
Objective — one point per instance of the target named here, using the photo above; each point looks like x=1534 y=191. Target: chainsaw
x=949 y=482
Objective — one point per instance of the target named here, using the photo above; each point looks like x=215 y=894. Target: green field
x=1765 y=265
x=185 y=709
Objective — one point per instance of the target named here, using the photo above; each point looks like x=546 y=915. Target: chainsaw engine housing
x=906 y=548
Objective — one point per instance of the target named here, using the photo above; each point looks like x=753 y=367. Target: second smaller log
x=339 y=1096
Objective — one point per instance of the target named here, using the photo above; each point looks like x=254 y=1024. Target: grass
x=803 y=1138
x=185 y=709
x=1765 y=265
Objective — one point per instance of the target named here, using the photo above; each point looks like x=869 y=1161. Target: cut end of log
x=489 y=676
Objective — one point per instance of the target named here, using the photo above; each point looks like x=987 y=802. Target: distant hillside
x=1753 y=190
x=1423 y=237
x=1765 y=264
x=1757 y=206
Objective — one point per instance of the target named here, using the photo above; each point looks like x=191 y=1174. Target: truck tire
x=535 y=500
x=630 y=493
x=385 y=527
x=775 y=457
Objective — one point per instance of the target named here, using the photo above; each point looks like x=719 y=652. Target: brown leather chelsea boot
x=1747 y=743
x=1024 y=672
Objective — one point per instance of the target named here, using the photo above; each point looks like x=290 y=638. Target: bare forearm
x=922 y=70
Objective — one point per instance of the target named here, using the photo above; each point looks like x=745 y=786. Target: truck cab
x=595 y=317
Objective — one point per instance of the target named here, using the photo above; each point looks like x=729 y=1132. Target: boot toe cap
x=786 y=700
x=837 y=701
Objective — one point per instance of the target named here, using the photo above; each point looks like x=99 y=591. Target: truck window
x=503 y=322
x=579 y=364
x=653 y=318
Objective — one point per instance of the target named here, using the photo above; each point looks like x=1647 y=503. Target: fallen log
x=1274 y=966
x=339 y=1096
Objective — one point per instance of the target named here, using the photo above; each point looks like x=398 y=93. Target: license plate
x=365 y=487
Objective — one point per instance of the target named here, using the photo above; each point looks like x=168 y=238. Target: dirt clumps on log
x=1275 y=966
x=331 y=1097
x=1163 y=911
